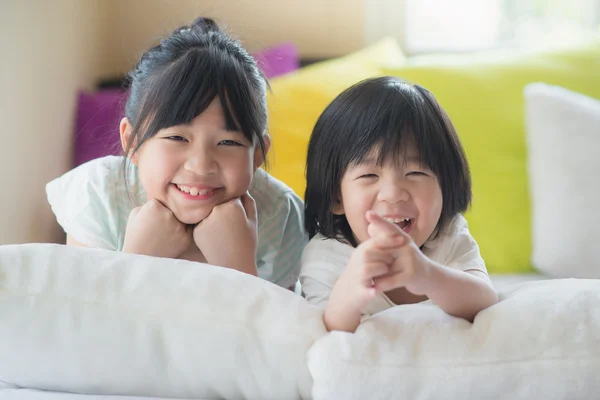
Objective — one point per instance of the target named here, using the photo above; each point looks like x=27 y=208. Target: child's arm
x=458 y=293
x=354 y=289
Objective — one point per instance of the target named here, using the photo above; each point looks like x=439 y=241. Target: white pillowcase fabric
x=90 y=321
x=101 y=322
x=542 y=341
x=563 y=137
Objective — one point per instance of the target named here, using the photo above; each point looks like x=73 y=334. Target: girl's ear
x=338 y=207
x=125 y=130
x=259 y=158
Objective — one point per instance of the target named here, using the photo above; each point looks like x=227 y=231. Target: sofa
x=86 y=323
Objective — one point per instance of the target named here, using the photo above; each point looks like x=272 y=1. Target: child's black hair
x=387 y=114
x=176 y=80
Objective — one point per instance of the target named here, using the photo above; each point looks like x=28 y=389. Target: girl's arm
x=71 y=241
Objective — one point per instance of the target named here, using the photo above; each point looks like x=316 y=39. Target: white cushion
x=541 y=341
x=101 y=322
x=563 y=137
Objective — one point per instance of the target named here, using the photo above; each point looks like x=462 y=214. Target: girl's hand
x=354 y=289
x=153 y=230
x=228 y=236
x=410 y=268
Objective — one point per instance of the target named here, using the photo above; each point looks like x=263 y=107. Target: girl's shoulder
x=92 y=201
x=273 y=197
x=102 y=179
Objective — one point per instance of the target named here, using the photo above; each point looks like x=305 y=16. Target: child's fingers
x=387 y=241
x=379 y=225
x=378 y=255
x=374 y=269
x=389 y=282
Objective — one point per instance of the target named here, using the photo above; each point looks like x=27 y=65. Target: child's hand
x=410 y=268
x=153 y=230
x=228 y=236
x=354 y=289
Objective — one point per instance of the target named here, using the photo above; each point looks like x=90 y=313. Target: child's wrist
x=429 y=281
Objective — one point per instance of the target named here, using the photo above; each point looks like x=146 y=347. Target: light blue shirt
x=92 y=204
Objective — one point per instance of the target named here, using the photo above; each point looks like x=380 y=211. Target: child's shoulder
x=452 y=242
x=324 y=249
x=458 y=226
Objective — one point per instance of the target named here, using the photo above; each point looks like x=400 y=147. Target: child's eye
x=176 y=138
x=229 y=143
x=416 y=173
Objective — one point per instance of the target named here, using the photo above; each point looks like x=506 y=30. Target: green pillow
x=483 y=95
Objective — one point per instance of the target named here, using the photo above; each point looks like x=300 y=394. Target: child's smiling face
x=404 y=192
x=191 y=168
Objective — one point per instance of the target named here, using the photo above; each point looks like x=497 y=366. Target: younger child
x=387 y=181
x=194 y=134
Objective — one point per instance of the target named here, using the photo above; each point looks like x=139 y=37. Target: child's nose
x=201 y=163
x=394 y=193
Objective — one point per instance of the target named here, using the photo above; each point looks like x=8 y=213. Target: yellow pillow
x=296 y=101
x=483 y=94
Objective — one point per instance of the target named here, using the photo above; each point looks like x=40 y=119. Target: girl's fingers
x=249 y=206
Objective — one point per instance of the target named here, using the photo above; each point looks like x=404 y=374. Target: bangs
x=392 y=126
x=186 y=87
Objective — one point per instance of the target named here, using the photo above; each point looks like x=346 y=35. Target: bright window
x=466 y=25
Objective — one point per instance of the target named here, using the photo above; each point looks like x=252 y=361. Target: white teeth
x=194 y=191
x=397 y=220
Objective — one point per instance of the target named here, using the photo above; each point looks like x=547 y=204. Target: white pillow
x=101 y=322
x=563 y=136
x=541 y=341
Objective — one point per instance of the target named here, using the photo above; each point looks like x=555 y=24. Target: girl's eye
x=368 y=176
x=176 y=138
x=229 y=143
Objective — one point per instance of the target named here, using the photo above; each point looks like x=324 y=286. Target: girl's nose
x=201 y=163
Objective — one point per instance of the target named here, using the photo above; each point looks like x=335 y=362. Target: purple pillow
x=278 y=60
x=97 y=124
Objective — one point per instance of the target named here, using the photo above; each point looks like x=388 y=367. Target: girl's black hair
x=387 y=114
x=177 y=80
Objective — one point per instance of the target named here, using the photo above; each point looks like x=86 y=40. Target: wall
x=319 y=28
x=50 y=49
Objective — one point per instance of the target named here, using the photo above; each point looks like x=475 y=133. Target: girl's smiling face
x=405 y=192
x=192 y=168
